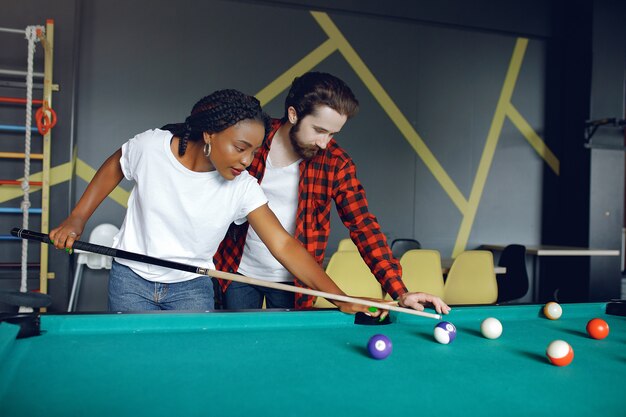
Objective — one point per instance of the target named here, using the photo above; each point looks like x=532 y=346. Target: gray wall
x=139 y=65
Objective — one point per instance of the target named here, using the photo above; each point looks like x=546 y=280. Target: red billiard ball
x=560 y=353
x=598 y=328
x=379 y=346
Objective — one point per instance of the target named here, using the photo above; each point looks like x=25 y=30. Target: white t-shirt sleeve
x=132 y=153
x=252 y=198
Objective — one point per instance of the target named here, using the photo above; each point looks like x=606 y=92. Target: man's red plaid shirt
x=330 y=175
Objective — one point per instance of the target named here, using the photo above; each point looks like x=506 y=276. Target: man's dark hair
x=319 y=88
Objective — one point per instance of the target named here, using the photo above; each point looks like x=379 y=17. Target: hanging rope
x=31 y=37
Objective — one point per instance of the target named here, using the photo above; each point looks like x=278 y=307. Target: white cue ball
x=491 y=328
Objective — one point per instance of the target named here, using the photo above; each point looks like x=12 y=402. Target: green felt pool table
x=310 y=363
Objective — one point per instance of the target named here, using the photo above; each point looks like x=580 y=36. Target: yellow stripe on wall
x=490 y=146
x=533 y=138
x=391 y=109
x=85 y=172
x=306 y=64
x=60 y=174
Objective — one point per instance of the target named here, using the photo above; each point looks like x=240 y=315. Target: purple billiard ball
x=379 y=346
x=445 y=332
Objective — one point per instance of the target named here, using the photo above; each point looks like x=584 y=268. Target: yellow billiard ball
x=552 y=310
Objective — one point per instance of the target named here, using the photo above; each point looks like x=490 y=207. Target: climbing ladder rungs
x=15 y=128
x=16 y=182
x=17 y=210
x=15 y=265
x=18 y=155
x=36 y=86
x=14 y=100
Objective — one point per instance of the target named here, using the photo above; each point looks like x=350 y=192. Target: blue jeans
x=240 y=296
x=130 y=292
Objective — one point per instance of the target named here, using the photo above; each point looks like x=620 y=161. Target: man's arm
x=351 y=202
x=372 y=243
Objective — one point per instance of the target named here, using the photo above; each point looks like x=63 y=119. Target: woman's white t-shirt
x=177 y=214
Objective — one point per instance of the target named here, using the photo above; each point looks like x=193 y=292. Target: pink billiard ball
x=598 y=328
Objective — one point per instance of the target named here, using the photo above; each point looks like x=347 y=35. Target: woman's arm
x=106 y=179
x=293 y=256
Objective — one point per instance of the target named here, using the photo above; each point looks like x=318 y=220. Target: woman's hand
x=67 y=233
x=351 y=308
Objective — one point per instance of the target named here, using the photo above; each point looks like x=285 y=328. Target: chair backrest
x=472 y=279
x=346 y=245
x=348 y=270
x=400 y=246
x=103 y=235
x=514 y=284
x=421 y=271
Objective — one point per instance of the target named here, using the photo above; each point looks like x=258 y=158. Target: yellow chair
x=346 y=245
x=421 y=271
x=352 y=275
x=472 y=279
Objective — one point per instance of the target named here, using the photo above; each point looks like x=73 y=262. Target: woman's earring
x=207 y=149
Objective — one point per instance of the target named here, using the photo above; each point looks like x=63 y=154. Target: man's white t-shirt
x=177 y=214
x=280 y=185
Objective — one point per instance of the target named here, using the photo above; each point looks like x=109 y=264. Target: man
x=302 y=171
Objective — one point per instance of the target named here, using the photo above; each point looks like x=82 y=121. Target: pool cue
x=104 y=250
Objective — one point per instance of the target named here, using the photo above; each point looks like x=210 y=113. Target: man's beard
x=305 y=152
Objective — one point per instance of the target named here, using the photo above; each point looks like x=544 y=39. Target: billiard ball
x=552 y=310
x=491 y=328
x=379 y=346
x=560 y=353
x=598 y=328
x=445 y=332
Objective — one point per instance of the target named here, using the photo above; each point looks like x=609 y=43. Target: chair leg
x=71 y=306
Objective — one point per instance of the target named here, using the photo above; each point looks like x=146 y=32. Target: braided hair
x=217 y=112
